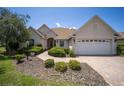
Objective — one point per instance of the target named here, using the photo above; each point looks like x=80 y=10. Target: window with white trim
x=61 y=43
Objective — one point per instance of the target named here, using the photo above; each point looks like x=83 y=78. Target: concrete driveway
x=110 y=67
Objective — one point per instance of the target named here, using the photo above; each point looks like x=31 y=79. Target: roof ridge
x=44 y=25
x=63 y=28
x=93 y=18
x=37 y=32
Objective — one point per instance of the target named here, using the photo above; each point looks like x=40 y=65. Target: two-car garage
x=93 y=47
x=95 y=38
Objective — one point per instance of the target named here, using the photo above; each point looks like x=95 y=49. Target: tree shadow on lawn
x=5 y=57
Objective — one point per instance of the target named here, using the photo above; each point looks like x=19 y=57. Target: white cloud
x=72 y=27
x=65 y=26
x=58 y=24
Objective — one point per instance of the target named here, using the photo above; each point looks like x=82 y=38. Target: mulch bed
x=86 y=76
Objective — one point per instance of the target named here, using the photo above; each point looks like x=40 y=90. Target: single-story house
x=95 y=37
x=120 y=39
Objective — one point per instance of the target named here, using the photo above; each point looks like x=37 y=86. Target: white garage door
x=93 y=47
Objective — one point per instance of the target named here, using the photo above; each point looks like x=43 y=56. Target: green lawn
x=10 y=77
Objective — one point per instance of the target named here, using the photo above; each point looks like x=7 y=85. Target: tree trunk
x=8 y=51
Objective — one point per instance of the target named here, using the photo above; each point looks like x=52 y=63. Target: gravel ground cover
x=86 y=76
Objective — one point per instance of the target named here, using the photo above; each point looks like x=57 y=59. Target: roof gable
x=46 y=31
x=36 y=32
x=121 y=34
x=96 y=27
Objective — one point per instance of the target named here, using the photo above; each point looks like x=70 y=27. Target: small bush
x=74 y=65
x=19 y=57
x=2 y=50
x=120 y=49
x=57 y=52
x=36 y=49
x=72 y=54
x=61 y=66
x=122 y=52
x=49 y=63
x=67 y=50
x=22 y=51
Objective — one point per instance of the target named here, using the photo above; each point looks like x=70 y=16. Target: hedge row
x=120 y=49
x=35 y=49
x=21 y=54
x=61 y=52
x=57 y=52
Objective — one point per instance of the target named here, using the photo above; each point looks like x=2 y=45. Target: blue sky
x=72 y=17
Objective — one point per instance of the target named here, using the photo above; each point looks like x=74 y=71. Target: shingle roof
x=44 y=32
x=66 y=33
x=38 y=33
x=98 y=18
x=63 y=33
x=121 y=34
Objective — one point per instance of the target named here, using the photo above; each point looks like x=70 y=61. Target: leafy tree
x=13 y=29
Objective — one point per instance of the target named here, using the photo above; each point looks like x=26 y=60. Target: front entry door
x=50 y=43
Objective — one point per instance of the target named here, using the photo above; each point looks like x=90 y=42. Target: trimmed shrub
x=57 y=52
x=36 y=49
x=19 y=57
x=120 y=49
x=74 y=65
x=72 y=54
x=23 y=50
x=61 y=66
x=49 y=63
x=67 y=50
x=2 y=50
x=122 y=52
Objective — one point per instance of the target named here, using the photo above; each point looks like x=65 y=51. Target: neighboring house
x=120 y=40
x=93 y=38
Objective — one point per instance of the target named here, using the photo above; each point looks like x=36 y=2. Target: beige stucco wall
x=47 y=32
x=37 y=39
x=96 y=29
x=71 y=43
x=66 y=43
